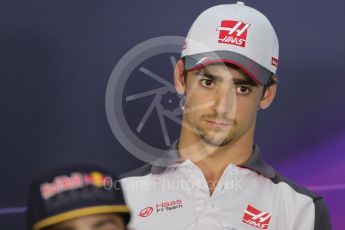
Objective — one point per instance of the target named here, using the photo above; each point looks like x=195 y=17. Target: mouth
x=218 y=123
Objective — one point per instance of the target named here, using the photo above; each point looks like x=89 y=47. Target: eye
x=243 y=90
x=208 y=83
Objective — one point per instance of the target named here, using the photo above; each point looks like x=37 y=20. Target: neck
x=213 y=160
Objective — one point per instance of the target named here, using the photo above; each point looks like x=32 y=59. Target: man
x=214 y=177
x=81 y=197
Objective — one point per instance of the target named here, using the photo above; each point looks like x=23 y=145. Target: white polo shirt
x=250 y=196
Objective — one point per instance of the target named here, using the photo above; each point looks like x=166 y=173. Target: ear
x=179 y=78
x=268 y=96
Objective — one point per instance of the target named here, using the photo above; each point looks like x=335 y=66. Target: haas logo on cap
x=233 y=32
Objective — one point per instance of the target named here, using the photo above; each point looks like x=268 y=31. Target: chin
x=216 y=136
x=216 y=140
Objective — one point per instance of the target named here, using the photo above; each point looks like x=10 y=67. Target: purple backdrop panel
x=321 y=168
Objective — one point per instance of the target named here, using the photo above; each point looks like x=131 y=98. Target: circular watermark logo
x=116 y=100
x=156 y=100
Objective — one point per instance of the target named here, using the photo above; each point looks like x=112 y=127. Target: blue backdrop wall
x=57 y=56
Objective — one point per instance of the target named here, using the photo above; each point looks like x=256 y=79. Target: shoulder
x=322 y=217
x=278 y=178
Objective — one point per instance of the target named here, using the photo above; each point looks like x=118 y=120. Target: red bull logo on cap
x=74 y=181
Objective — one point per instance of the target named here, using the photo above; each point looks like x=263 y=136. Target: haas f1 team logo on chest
x=146 y=212
x=233 y=32
x=256 y=218
x=161 y=207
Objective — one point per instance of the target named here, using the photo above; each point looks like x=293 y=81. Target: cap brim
x=254 y=70
x=49 y=221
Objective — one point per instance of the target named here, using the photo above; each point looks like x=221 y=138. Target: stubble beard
x=209 y=136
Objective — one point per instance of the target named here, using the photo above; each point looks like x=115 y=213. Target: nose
x=225 y=101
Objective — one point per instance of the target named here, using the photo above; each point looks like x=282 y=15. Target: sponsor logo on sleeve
x=256 y=218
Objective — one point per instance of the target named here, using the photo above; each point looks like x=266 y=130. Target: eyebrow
x=212 y=77
x=103 y=222
x=244 y=82
x=236 y=81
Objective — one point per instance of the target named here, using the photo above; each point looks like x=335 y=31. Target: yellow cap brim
x=79 y=213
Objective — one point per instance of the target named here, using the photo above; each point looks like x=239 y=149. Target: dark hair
x=271 y=81
x=230 y=65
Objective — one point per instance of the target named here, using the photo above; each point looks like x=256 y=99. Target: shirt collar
x=255 y=162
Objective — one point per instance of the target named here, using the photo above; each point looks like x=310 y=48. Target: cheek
x=199 y=98
x=198 y=104
x=246 y=110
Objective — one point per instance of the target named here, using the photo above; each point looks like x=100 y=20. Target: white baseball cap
x=236 y=34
